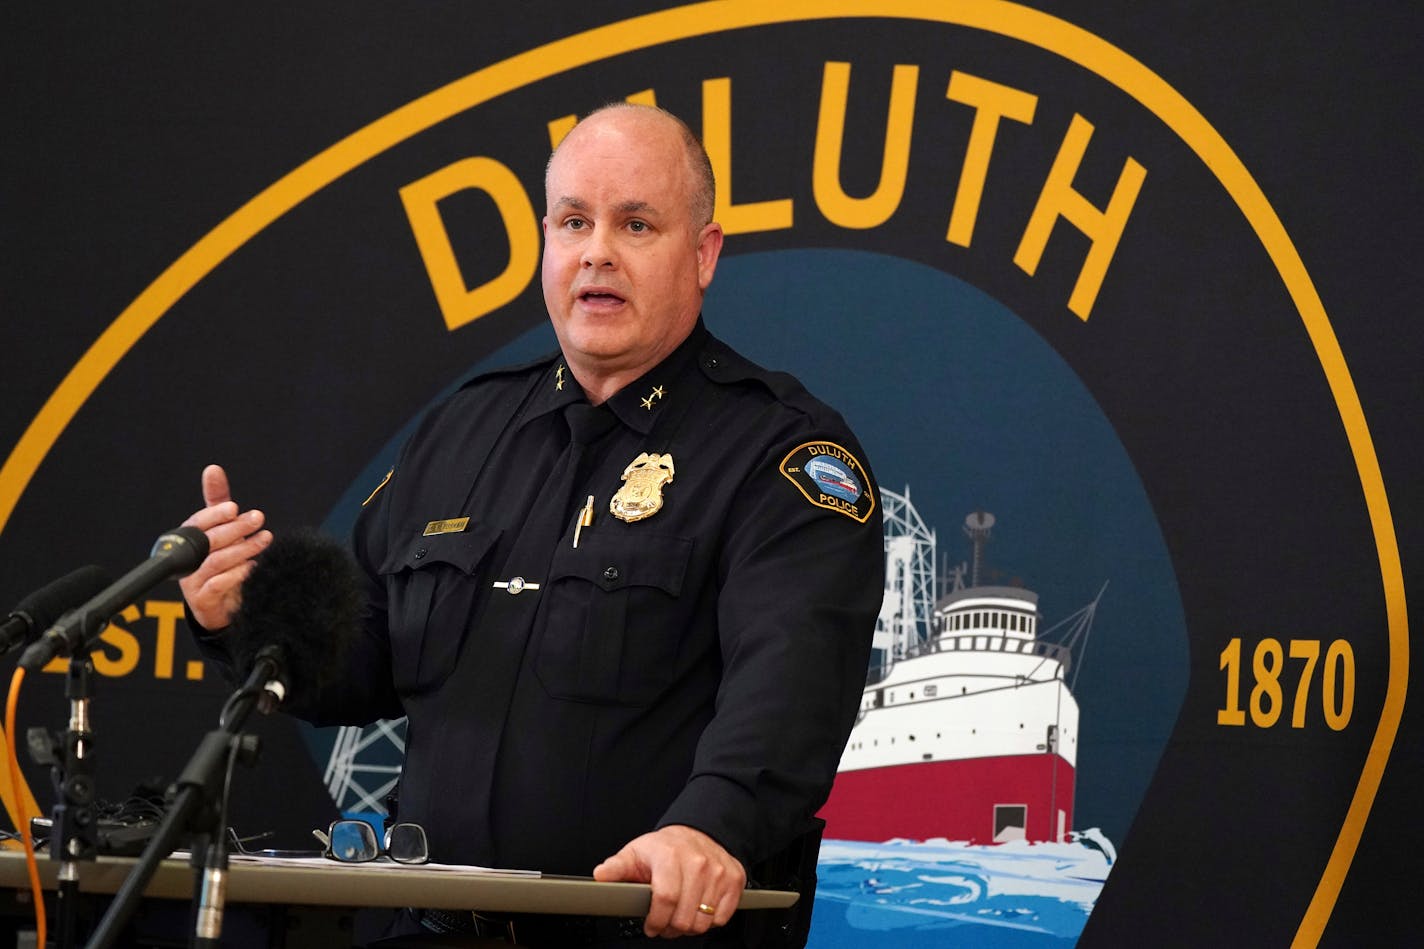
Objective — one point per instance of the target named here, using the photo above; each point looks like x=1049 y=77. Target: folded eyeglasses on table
x=352 y=841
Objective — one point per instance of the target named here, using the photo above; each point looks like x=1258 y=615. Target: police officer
x=623 y=595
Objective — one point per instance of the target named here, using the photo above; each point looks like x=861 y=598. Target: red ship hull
x=979 y=800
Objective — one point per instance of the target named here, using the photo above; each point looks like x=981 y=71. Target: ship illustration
x=968 y=728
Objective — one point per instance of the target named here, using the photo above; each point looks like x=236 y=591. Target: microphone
x=41 y=608
x=175 y=553
x=301 y=608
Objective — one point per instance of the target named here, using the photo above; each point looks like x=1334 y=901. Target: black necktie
x=488 y=677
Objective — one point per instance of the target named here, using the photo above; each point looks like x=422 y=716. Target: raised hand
x=214 y=590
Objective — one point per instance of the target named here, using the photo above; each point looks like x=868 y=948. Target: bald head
x=702 y=187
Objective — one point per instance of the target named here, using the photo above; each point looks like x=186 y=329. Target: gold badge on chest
x=642 y=492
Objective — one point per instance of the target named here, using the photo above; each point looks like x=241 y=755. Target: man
x=623 y=595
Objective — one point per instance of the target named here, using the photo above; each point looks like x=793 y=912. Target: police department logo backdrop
x=1032 y=272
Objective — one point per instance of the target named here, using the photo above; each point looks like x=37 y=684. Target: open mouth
x=600 y=298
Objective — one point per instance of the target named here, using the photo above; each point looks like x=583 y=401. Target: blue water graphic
x=942 y=893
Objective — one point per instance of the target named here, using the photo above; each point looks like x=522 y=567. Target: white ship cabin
x=994 y=619
x=983 y=651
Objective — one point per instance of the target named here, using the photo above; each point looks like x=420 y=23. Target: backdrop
x=1132 y=278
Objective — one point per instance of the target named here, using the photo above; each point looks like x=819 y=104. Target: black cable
x=220 y=836
x=246 y=692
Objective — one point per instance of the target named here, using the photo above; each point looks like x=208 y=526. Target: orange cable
x=14 y=761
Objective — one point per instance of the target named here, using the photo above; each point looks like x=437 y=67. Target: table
x=320 y=882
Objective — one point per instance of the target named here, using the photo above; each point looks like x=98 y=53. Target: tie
x=486 y=679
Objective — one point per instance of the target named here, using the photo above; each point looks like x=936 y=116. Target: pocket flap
x=463 y=550
x=615 y=562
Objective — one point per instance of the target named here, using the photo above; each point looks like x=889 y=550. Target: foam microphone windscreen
x=304 y=595
x=38 y=611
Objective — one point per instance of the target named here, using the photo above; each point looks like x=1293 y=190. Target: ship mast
x=977 y=528
x=907 y=611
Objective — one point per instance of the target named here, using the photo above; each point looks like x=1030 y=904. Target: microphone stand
x=197 y=808
x=209 y=859
x=73 y=828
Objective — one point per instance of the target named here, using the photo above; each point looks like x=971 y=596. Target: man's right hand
x=214 y=590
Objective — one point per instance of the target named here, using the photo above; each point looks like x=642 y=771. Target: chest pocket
x=610 y=631
x=431 y=585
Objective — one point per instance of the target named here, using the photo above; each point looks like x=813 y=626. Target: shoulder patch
x=384 y=482
x=830 y=477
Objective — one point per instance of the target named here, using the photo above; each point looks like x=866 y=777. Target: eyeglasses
x=354 y=841
x=239 y=845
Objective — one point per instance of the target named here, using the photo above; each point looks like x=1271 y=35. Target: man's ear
x=709 y=249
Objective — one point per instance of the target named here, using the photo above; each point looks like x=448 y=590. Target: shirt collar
x=638 y=404
x=641 y=402
x=555 y=389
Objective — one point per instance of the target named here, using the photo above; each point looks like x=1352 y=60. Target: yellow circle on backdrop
x=1016 y=22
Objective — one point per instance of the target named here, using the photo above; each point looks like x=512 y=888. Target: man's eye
x=637 y=227
x=575 y=224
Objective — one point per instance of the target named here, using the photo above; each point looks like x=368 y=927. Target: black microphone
x=176 y=553
x=41 y=608
x=301 y=608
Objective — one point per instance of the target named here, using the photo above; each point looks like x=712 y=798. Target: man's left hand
x=687 y=870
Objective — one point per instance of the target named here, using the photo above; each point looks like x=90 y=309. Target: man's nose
x=598 y=251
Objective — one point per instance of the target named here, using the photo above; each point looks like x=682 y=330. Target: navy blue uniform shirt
x=701 y=665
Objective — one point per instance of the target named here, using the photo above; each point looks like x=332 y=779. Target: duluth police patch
x=830 y=477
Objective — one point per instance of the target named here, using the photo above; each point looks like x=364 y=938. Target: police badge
x=642 y=493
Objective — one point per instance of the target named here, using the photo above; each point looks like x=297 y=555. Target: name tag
x=451 y=526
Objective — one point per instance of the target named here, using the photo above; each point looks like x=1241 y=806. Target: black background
x=131 y=132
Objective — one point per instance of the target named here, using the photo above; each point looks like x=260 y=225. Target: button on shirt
x=700 y=666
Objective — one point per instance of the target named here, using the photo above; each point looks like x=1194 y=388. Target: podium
x=320 y=883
